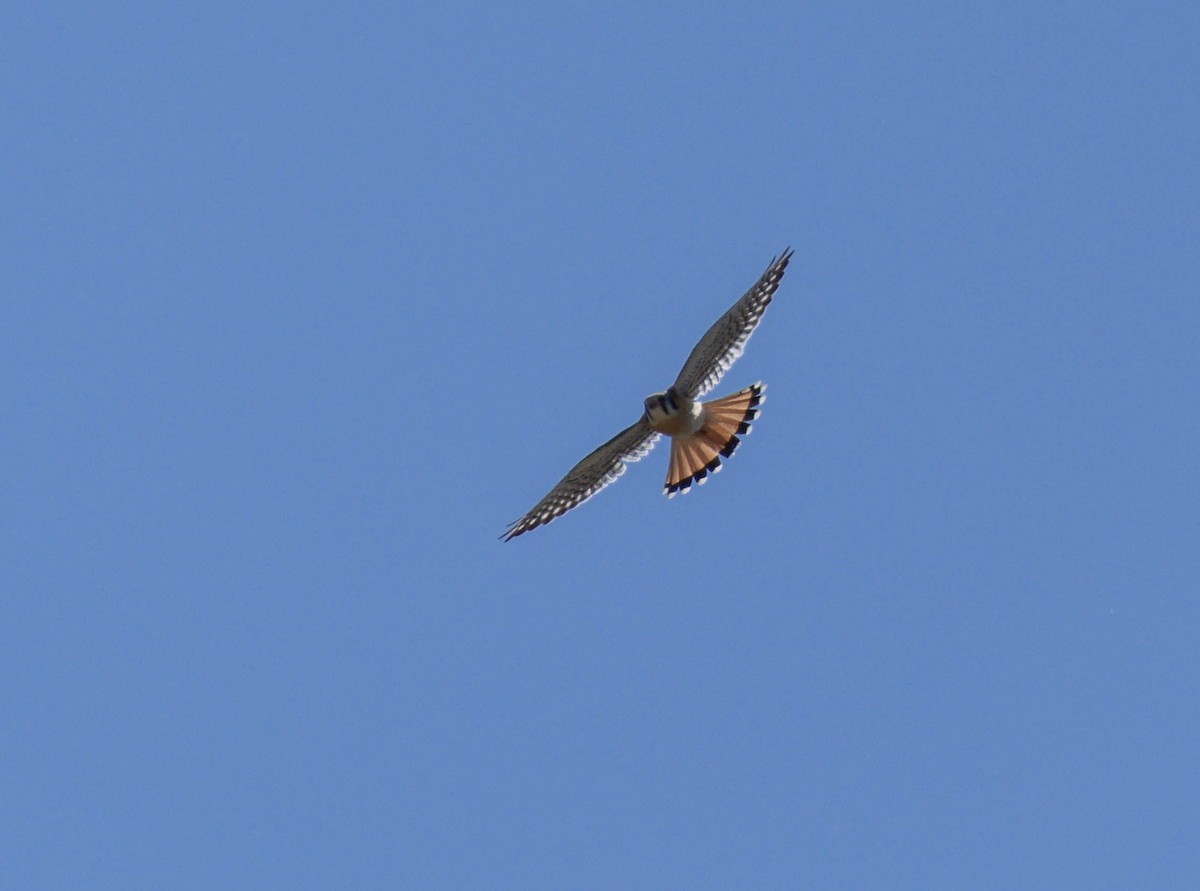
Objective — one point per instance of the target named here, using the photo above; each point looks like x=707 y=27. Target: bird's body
x=674 y=415
x=702 y=433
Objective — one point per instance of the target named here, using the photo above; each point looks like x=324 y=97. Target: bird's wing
x=588 y=477
x=721 y=345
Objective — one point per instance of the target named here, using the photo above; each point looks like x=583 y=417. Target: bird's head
x=662 y=405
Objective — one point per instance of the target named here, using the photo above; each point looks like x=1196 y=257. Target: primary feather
x=725 y=341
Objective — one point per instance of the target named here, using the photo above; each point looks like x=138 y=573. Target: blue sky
x=303 y=304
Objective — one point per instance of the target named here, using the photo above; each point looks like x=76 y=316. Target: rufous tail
x=694 y=457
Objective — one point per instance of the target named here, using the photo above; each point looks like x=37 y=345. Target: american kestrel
x=702 y=433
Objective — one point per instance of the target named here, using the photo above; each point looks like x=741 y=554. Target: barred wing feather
x=724 y=342
x=588 y=477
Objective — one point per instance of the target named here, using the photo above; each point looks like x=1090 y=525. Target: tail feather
x=693 y=458
x=674 y=470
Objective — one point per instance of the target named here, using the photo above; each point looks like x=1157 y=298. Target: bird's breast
x=683 y=418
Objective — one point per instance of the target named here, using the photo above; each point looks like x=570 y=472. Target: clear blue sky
x=303 y=304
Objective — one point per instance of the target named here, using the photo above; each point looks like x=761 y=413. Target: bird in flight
x=702 y=433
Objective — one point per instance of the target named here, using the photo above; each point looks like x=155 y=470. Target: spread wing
x=721 y=345
x=588 y=477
